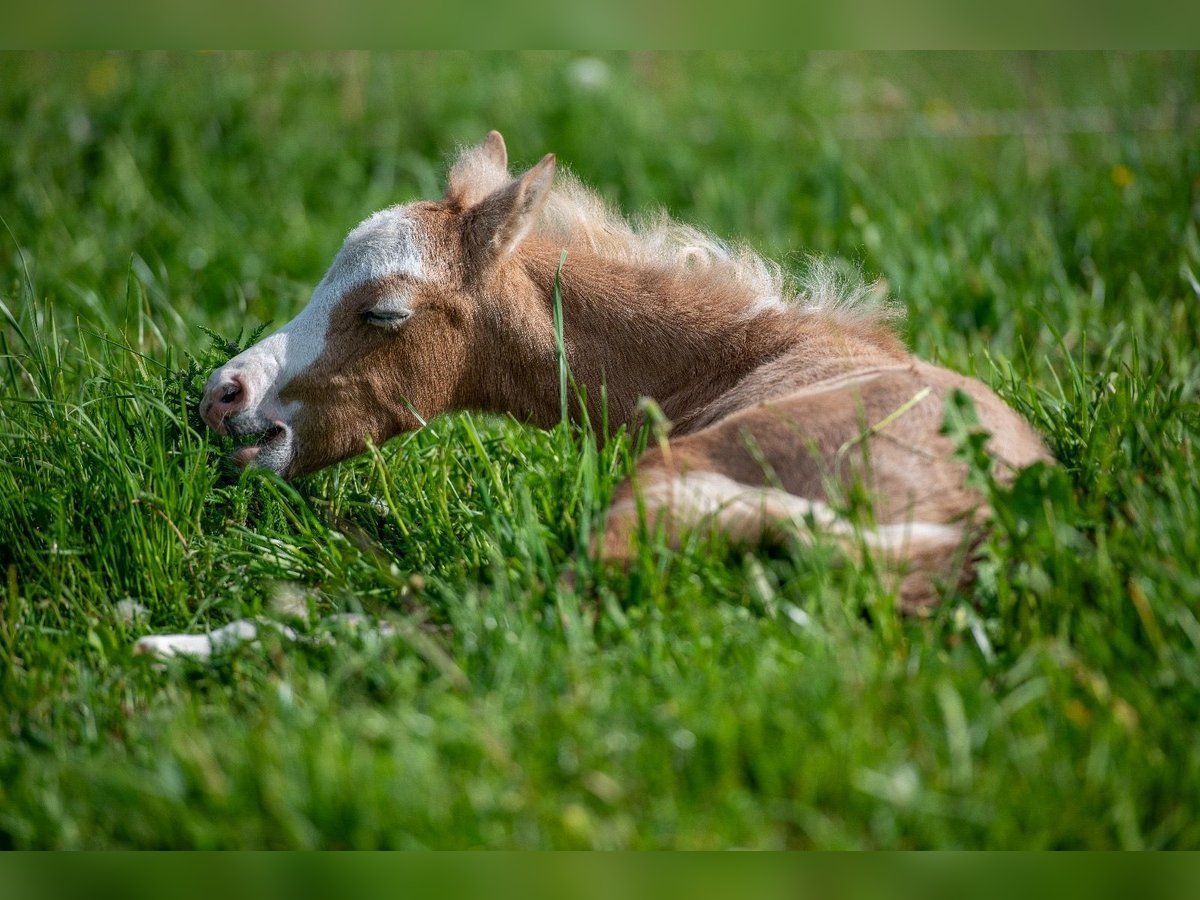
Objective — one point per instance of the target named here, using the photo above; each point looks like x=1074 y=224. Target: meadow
x=1035 y=216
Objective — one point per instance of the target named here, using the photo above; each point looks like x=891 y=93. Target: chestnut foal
x=779 y=402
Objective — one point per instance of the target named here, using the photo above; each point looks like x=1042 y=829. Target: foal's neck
x=681 y=338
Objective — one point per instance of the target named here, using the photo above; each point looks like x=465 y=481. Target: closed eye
x=387 y=313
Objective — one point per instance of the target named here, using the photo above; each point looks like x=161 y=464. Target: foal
x=779 y=403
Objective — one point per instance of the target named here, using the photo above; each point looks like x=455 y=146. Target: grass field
x=1037 y=217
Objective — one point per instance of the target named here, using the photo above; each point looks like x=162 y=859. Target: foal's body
x=779 y=404
x=774 y=407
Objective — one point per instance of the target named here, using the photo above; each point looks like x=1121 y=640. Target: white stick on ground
x=244 y=631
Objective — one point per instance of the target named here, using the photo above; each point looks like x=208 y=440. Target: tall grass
x=163 y=207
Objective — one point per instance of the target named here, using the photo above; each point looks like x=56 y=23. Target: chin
x=274 y=449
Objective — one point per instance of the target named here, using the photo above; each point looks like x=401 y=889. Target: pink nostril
x=222 y=400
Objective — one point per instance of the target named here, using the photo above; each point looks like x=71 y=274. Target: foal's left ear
x=478 y=171
x=499 y=222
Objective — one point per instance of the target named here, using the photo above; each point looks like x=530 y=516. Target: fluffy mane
x=577 y=216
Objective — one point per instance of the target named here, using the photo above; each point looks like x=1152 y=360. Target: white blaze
x=383 y=245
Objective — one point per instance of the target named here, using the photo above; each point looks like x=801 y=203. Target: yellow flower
x=1122 y=176
x=103 y=77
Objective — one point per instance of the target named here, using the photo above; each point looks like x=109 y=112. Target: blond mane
x=578 y=217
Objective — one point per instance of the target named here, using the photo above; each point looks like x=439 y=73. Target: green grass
x=707 y=699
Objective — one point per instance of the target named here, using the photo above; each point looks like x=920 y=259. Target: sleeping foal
x=779 y=403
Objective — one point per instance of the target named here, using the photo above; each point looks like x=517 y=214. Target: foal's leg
x=920 y=552
x=758 y=476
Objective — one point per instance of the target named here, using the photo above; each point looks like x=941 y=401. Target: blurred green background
x=974 y=183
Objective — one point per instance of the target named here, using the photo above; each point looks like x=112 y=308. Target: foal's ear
x=499 y=222
x=478 y=171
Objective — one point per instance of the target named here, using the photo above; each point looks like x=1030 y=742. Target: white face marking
x=384 y=244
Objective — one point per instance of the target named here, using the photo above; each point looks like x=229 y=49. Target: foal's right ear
x=498 y=223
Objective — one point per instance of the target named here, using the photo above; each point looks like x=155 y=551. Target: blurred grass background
x=168 y=161
x=1036 y=215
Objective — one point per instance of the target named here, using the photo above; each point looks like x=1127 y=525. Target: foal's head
x=391 y=331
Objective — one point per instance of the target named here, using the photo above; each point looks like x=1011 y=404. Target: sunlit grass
x=707 y=698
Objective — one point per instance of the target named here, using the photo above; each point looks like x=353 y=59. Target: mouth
x=274 y=438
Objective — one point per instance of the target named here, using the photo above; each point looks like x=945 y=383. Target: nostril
x=231 y=391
